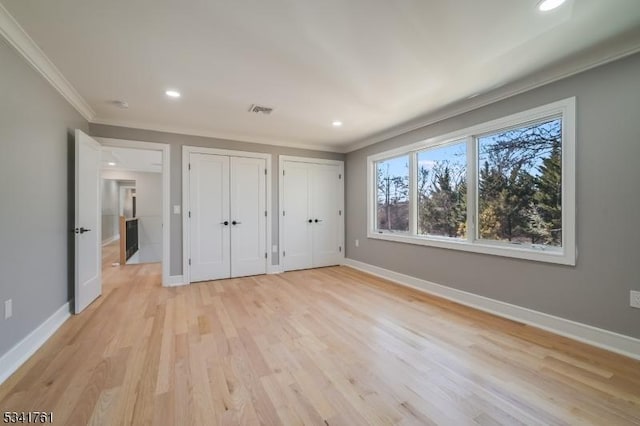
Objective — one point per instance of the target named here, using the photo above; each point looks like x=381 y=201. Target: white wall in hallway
x=110 y=222
x=148 y=210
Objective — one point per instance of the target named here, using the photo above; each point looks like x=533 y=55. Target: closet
x=226 y=217
x=311 y=213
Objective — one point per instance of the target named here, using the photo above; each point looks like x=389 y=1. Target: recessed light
x=111 y=163
x=336 y=123
x=546 y=5
x=172 y=93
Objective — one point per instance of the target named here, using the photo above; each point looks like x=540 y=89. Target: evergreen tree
x=548 y=198
x=442 y=200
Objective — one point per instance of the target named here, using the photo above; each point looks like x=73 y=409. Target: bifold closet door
x=248 y=216
x=209 y=210
x=325 y=193
x=297 y=220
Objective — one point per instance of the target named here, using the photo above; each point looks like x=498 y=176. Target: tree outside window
x=520 y=184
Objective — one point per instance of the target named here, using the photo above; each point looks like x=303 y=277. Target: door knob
x=225 y=223
x=318 y=220
x=236 y=223
x=82 y=230
x=310 y=220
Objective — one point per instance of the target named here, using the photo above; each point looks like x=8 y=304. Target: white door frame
x=186 y=243
x=281 y=160
x=166 y=193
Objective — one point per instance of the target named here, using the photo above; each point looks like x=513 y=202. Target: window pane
x=392 y=194
x=442 y=191
x=520 y=184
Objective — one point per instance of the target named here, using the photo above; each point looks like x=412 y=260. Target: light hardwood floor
x=326 y=346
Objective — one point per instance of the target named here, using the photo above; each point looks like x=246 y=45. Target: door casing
x=167 y=279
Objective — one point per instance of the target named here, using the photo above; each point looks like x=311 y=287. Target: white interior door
x=209 y=225
x=326 y=208
x=88 y=250
x=248 y=218
x=297 y=221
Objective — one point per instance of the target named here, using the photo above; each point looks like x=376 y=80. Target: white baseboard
x=20 y=353
x=110 y=240
x=274 y=269
x=175 y=281
x=609 y=340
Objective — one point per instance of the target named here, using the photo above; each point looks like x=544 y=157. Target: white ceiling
x=373 y=64
x=132 y=160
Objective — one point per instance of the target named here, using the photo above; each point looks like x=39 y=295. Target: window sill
x=539 y=255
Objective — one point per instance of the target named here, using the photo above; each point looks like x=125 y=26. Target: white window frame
x=566 y=110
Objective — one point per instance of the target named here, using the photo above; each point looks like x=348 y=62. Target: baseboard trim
x=175 y=281
x=609 y=340
x=274 y=269
x=110 y=240
x=21 y=352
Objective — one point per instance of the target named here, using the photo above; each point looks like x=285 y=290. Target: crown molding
x=135 y=125
x=20 y=40
x=610 y=51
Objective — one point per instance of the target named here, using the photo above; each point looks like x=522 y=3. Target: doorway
x=135 y=204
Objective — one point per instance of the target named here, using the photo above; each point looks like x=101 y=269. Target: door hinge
x=339 y=212
x=189 y=261
x=284 y=253
x=340 y=249
x=189 y=213
x=265 y=254
x=283 y=173
x=283 y=213
x=265 y=213
x=265 y=171
x=339 y=176
x=189 y=166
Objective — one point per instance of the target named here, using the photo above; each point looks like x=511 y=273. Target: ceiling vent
x=260 y=109
x=120 y=104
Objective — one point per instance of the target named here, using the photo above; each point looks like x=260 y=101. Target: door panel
x=88 y=271
x=248 y=206
x=297 y=232
x=325 y=204
x=209 y=204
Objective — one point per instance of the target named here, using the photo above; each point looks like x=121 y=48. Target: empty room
x=323 y=213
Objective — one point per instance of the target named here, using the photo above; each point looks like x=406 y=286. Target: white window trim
x=566 y=108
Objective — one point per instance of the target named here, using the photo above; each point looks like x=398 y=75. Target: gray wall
x=177 y=141
x=148 y=211
x=110 y=204
x=36 y=139
x=596 y=290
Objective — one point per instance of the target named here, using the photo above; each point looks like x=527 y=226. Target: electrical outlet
x=8 y=309
x=635 y=299
x=357 y=243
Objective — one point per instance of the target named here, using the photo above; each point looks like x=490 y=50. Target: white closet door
x=248 y=220
x=296 y=203
x=209 y=203
x=325 y=204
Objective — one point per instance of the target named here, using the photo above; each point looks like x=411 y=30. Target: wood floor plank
x=329 y=346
